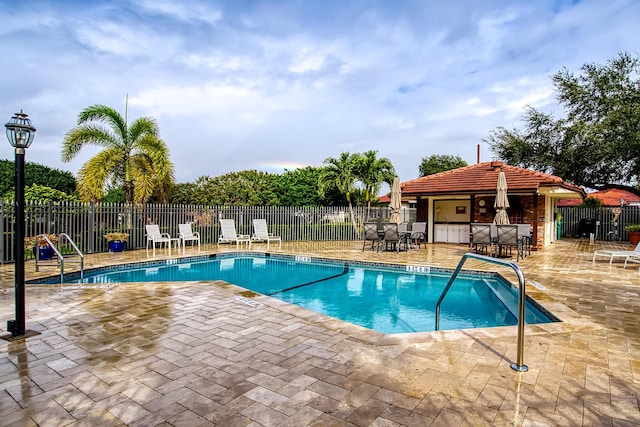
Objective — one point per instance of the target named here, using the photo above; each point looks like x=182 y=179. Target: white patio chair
x=228 y=234
x=261 y=233
x=154 y=236
x=632 y=258
x=186 y=234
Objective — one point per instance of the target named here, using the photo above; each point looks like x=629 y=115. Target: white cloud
x=250 y=84
x=122 y=40
x=182 y=11
x=213 y=100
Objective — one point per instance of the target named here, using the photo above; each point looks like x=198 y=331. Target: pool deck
x=195 y=354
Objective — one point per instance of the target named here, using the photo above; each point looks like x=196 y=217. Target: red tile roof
x=608 y=197
x=565 y=203
x=483 y=178
x=386 y=198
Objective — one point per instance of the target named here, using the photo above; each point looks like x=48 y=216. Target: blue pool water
x=388 y=300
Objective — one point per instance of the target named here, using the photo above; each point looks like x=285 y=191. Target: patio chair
x=481 y=239
x=261 y=233
x=524 y=234
x=228 y=234
x=418 y=233
x=372 y=235
x=186 y=234
x=154 y=236
x=508 y=239
x=617 y=254
x=392 y=237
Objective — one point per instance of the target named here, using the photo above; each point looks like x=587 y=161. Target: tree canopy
x=373 y=171
x=340 y=172
x=133 y=155
x=35 y=173
x=244 y=188
x=597 y=142
x=44 y=193
x=299 y=187
x=440 y=163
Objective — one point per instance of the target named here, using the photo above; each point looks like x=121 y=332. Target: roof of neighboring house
x=386 y=198
x=483 y=178
x=608 y=197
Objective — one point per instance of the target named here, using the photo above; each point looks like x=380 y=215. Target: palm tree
x=372 y=172
x=133 y=156
x=341 y=173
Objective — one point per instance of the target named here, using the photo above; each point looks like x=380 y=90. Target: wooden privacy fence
x=87 y=223
x=606 y=223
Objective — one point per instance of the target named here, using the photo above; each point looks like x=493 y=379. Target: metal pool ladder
x=59 y=256
x=519 y=365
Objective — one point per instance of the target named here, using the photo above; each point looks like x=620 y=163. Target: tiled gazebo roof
x=482 y=178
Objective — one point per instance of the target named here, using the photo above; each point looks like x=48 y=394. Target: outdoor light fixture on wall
x=20 y=133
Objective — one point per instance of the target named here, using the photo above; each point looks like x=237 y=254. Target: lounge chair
x=229 y=235
x=632 y=258
x=186 y=234
x=261 y=233
x=154 y=236
x=616 y=254
x=371 y=235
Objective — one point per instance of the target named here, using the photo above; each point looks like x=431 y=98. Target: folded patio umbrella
x=396 y=200
x=502 y=201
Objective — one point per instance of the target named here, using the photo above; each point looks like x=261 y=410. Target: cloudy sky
x=277 y=84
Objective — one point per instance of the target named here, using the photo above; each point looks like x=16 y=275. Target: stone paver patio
x=191 y=354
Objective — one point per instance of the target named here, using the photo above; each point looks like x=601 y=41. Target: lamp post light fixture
x=20 y=133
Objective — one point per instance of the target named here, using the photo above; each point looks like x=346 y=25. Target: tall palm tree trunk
x=128 y=191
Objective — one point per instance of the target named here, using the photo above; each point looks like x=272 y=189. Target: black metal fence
x=604 y=223
x=87 y=223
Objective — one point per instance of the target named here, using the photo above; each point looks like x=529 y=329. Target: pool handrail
x=519 y=365
x=59 y=257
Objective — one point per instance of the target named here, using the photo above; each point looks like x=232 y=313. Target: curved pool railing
x=519 y=365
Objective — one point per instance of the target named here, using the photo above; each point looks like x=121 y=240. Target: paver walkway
x=191 y=354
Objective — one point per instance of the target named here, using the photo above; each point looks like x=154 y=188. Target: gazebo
x=449 y=201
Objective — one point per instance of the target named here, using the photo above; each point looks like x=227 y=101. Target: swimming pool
x=388 y=299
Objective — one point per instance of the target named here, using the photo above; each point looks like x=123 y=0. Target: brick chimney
x=497 y=165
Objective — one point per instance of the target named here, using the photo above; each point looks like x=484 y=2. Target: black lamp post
x=20 y=133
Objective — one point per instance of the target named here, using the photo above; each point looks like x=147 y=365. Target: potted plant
x=41 y=244
x=117 y=241
x=634 y=233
